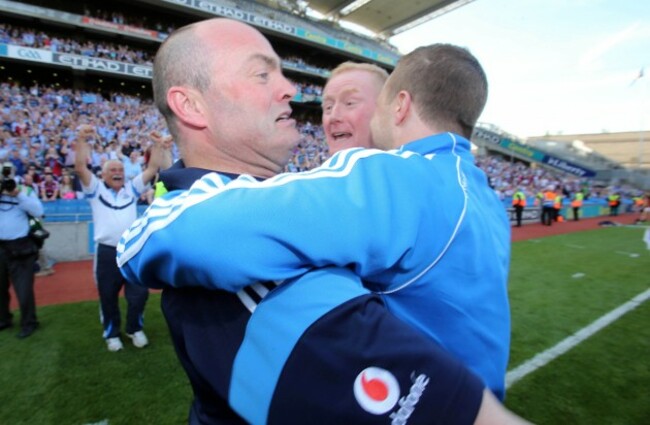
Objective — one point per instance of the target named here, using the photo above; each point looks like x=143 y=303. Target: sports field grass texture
x=561 y=284
x=63 y=374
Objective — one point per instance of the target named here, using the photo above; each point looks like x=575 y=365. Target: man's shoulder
x=94 y=186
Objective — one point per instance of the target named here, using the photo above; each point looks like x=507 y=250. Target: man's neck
x=224 y=165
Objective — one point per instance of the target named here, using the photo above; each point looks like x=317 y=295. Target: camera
x=7 y=184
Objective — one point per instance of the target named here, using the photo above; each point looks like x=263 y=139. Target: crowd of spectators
x=296 y=62
x=320 y=26
x=134 y=20
x=38 y=128
x=164 y=23
x=39 y=123
x=507 y=176
x=30 y=37
x=38 y=131
x=312 y=151
x=144 y=22
x=308 y=89
x=44 y=119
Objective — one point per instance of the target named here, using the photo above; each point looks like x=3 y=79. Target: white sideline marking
x=574 y=246
x=568 y=343
x=631 y=254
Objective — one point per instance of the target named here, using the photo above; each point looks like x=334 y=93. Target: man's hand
x=164 y=142
x=160 y=158
x=82 y=152
x=161 y=154
x=85 y=132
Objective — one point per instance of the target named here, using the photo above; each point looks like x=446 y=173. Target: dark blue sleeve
x=361 y=365
x=206 y=328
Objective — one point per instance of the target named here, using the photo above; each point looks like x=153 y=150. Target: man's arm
x=82 y=151
x=363 y=216
x=160 y=158
x=119 y=154
x=384 y=371
x=492 y=412
x=27 y=202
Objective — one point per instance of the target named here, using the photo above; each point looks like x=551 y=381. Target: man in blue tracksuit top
x=425 y=199
x=299 y=357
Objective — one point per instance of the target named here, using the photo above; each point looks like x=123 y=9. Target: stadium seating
x=51 y=78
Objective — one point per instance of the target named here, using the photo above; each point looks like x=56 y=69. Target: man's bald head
x=186 y=57
x=219 y=85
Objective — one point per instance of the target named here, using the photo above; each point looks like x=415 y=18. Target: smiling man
x=113 y=203
x=349 y=100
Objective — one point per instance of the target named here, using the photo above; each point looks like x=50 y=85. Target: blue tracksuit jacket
x=420 y=225
x=320 y=349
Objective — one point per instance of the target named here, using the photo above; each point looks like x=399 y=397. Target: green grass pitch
x=558 y=285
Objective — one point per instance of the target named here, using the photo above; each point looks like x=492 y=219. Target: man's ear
x=403 y=106
x=187 y=106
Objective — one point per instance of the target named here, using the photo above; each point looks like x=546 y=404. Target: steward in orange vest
x=548 y=210
x=519 y=199
x=614 y=201
x=518 y=203
x=576 y=204
x=557 y=206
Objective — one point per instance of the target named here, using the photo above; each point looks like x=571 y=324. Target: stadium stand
x=567 y=154
x=66 y=63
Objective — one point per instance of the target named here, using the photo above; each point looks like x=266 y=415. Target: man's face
x=113 y=175
x=349 y=101
x=248 y=100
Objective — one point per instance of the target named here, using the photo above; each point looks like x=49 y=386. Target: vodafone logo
x=376 y=390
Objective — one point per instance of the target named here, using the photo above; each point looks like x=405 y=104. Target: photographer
x=18 y=251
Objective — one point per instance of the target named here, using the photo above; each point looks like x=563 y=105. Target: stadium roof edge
x=385 y=17
x=283 y=27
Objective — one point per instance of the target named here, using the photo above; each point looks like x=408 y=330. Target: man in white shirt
x=114 y=206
